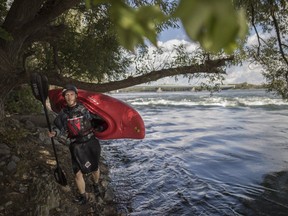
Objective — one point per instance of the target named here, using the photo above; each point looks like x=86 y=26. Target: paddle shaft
x=40 y=87
x=60 y=178
x=50 y=129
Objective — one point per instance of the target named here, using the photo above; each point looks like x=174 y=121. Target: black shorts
x=85 y=156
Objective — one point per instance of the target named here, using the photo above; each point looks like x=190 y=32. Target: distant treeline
x=246 y=85
x=173 y=88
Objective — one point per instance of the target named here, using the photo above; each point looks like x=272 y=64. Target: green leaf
x=215 y=24
x=95 y=2
x=133 y=25
x=88 y=3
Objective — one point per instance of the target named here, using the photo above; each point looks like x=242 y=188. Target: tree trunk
x=26 y=21
x=2 y=110
x=10 y=77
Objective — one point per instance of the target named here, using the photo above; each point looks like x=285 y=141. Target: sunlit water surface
x=224 y=154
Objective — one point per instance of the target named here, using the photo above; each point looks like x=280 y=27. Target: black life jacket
x=78 y=122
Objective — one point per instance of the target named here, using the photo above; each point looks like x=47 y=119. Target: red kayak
x=121 y=120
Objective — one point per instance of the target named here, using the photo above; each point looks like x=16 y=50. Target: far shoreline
x=185 y=88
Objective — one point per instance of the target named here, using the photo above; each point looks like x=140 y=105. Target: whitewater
x=224 y=153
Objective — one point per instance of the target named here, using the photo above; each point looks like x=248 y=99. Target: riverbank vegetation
x=175 y=88
x=90 y=44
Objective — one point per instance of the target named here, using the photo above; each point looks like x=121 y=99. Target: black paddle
x=40 y=87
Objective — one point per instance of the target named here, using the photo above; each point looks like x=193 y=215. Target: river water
x=220 y=154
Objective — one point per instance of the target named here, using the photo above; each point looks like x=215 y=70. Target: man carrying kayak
x=76 y=120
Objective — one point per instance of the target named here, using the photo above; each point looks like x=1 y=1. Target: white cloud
x=170 y=45
x=169 y=39
x=250 y=73
x=253 y=40
x=157 y=62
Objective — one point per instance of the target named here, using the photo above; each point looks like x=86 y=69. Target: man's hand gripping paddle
x=40 y=87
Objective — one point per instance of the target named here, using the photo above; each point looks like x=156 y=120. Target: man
x=77 y=121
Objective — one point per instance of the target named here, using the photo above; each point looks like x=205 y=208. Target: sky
x=249 y=73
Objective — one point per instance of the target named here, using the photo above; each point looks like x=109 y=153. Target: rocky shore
x=27 y=165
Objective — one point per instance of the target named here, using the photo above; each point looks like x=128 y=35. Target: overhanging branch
x=48 y=15
x=47 y=33
x=209 y=66
x=20 y=13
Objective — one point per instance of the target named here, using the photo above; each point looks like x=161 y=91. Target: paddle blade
x=40 y=86
x=60 y=176
x=45 y=86
x=34 y=86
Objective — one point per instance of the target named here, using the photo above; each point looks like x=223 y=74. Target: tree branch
x=275 y=22
x=56 y=57
x=209 y=66
x=26 y=17
x=47 y=15
x=47 y=33
x=20 y=13
x=278 y=37
x=255 y=29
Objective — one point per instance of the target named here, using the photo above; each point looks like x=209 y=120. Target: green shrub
x=22 y=101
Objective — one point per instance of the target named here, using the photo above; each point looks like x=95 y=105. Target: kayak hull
x=121 y=120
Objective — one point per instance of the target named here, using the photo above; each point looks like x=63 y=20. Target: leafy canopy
x=268 y=19
x=214 y=24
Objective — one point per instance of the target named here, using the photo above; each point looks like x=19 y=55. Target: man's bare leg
x=96 y=176
x=79 y=179
x=80 y=183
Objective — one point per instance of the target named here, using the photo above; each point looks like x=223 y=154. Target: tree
x=268 y=20
x=42 y=35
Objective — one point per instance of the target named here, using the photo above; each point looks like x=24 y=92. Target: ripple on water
x=204 y=160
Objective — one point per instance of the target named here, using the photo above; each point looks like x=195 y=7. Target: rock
x=8 y=203
x=71 y=210
x=5 y=152
x=11 y=166
x=23 y=188
x=48 y=142
x=66 y=188
x=4 y=149
x=36 y=119
x=14 y=123
x=4 y=146
x=32 y=190
x=109 y=195
x=25 y=176
x=43 y=135
x=29 y=125
x=3 y=158
x=109 y=211
x=105 y=183
x=46 y=195
x=15 y=159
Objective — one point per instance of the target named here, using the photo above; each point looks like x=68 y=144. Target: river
x=203 y=154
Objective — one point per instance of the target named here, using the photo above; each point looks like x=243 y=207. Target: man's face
x=70 y=98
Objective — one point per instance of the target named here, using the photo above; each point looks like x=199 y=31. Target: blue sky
x=249 y=73
x=171 y=34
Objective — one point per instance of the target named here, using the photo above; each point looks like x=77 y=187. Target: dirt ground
x=27 y=169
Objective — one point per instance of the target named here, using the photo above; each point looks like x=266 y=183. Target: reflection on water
x=228 y=157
